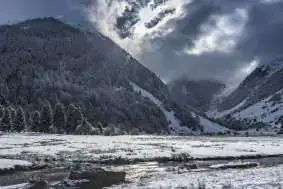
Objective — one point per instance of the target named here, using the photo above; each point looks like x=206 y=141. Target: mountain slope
x=257 y=102
x=206 y=126
x=44 y=61
x=260 y=84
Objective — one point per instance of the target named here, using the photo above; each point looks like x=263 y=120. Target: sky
x=204 y=39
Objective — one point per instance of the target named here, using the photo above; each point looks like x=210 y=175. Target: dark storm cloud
x=261 y=39
x=173 y=62
x=198 y=13
x=188 y=28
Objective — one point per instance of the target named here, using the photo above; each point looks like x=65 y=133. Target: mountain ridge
x=257 y=99
x=48 y=61
x=255 y=106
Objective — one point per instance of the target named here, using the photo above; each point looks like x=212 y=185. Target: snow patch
x=131 y=147
x=233 y=165
x=217 y=114
x=17 y=186
x=265 y=111
x=255 y=178
x=73 y=183
x=175 y=124
x=11 y=163
x=211 y=127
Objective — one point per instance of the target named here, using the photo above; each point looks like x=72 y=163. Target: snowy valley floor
x=156 y=161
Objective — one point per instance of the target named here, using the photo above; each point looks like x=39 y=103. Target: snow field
x=131 y=147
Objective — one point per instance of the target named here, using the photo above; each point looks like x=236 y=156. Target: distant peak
x=46 y=24
x=47 y=20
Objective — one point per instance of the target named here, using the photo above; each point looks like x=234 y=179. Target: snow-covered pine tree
x=6 y=123
x=280 y=121
x=74 y=118
x=36 y=127
x=46 y=120
x=100 y=127
x=13 y=112
x=2 y=112
x=59 y=119
x=20 y=120
x=28 y=121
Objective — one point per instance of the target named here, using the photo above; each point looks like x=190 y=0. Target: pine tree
x=2 y=112
x=59 y=119
x=46 y=119
x=6 y=123
x=29 y=121
x=13 y=112
x=280 y=120
x=74 y=118
x=35 y=127
x=100 y=127
x=20 y=120
x=13 y=118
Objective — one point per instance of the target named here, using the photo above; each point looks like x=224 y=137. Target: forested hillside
x=45 y=62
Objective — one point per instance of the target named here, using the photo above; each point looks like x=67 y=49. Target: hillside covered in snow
x=258 y=101
x=254 y=107
x=46 y=64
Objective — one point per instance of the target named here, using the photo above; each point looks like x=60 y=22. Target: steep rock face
x=46 y=61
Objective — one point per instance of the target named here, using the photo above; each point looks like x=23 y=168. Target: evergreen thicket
x=20 y=120
x=47 y=61
x=59 y=119
x=35 y=125
x=46 y=120
x=6 y=123
x=71 y=121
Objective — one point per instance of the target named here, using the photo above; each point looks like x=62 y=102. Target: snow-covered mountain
x=258 y=101
x=255 y=106
x=206 y=125
x=44 y=61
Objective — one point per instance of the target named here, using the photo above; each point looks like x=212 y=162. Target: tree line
x=62 y=120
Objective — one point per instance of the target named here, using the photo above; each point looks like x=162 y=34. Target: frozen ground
x=150 y=174
x=130 y=147
x=10 y=163
x=254 y=178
